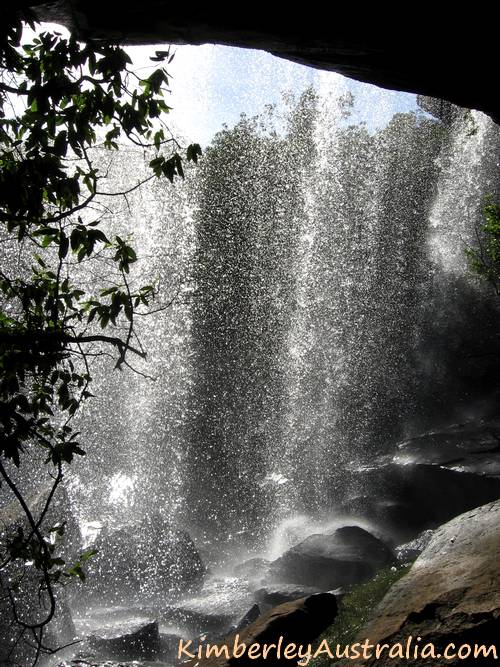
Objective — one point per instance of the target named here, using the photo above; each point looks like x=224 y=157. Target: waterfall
x=314 y=301
x=323 y=326
x=135 y=424
x=321 y=377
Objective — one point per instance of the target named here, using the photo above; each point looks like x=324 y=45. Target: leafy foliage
x=484 y=260
x=60 y=98
x=356 y=608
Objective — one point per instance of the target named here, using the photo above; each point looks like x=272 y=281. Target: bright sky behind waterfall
x=213 y=85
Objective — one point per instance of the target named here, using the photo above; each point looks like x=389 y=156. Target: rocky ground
x=433 y=499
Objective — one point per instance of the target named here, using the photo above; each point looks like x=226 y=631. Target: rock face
x=169 y=645
x=123 y=634
x=452 y=592
x=299 y=622
x=348 y=555
x=376 y=45
x=151 y=558
x=29 y=607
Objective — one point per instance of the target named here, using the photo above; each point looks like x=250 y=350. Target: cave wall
x=449 y=55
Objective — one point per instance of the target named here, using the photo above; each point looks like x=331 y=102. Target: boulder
x=113 y=573
x=347 y=556
x=150 y=559
x=451 y=593
x=300 y=622
x=272 y=596
x=131 y=641
x=168 y=558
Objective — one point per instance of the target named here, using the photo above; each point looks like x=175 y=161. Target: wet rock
x=214 y=609
x=132 y=641
x=406 y=553
x=347 y=556
x=451 y=593
x=427 y=480
x=253 y=568
x=113 y=574
x=272 y=596
x=148 y=559
x=300 y=622
x=406 y=499
x=470 y=447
